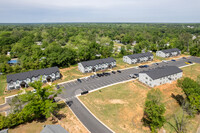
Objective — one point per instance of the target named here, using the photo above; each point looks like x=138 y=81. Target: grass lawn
x=120 y=106
x=114 y=106
x=71 y=73
x=2 y=84
x=67 y=121
x=191 y=71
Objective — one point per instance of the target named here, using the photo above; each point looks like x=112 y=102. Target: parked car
x=145 y=66
x=57 y=87
x=173 y=60
x=155 y=64
x=137 y=75
x=113 y=72
x=118 y=71
x=164 y=61
x=132 y=76
x=93 y=76
x=99 y=75
x=184 y=58
x=106 y=74
x=141 y=66
x=187 y=63
x=79 y=80
x=190 y=62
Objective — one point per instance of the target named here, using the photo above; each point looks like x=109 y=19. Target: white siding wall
x=97 y=67
x=133 y=61
x=160 y=54
x=144 y=78
x=16 y=84
x=164 y=55
x=127 y=59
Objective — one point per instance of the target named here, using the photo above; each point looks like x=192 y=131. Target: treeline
x=154 y=110
x=66 y=44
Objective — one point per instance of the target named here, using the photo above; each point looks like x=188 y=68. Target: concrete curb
x=187 y=65
x=95 y=116
x=76 y=116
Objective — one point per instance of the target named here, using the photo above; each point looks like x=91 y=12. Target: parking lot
x=71 y=89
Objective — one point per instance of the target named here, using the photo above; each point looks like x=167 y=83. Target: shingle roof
x=96 y=62
x=30 y=74
x=133 y=56
x=170 y=50
x=53 y=129
x=160 y=72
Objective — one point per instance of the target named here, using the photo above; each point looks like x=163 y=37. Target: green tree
x=154 y=110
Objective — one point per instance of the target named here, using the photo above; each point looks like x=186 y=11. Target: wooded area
x=45 y=45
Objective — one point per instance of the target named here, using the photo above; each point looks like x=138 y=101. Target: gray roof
x=53 y=129
x=136 y=56
x=96 y=62
x=160 y=72
x=30 y=74
x=170 y=50
x=4 y=131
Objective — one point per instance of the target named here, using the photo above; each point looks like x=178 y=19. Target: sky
x=42 y=11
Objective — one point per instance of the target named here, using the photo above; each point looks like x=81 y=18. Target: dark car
x=107 y=74
x=184 y=58
x=137 y=75
x=190 y=62
x=173 y=60
x=57 y=87
x=113 y=72
x=99 y=75
x=145 y=66
x=79 y=80
x=118 y=71
x=142 y=66
x=155 y=64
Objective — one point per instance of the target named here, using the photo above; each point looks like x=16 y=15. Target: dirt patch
x=117 y=101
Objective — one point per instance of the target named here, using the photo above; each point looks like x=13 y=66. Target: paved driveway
x=90 y=122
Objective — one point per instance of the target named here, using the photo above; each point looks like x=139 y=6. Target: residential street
x=91 y=123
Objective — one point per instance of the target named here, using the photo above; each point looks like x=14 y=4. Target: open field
x=67 y=120
x=192 y=71
x=114 y=106
x=120 y=106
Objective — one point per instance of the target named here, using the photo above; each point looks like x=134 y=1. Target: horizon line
x=100 y=22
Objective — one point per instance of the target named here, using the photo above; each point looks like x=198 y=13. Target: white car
x=132 y=76
x=164 y=61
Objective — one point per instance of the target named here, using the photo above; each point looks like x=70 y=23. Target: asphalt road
x=71 y=89
x=92 y=124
